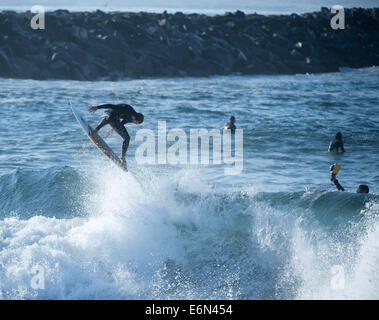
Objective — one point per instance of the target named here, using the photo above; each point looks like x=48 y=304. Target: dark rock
x=4 y=64
x=115 y=45
x=24 y=68
x=59 y=66
x=220 y=55
x=240 y=14
x=80 y=33
x=325 y=10
x=296 y=55
x=280 y=40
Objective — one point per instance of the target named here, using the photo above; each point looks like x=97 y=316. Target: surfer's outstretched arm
x=104 y=106
x=336 y=183
x=334 y=169
x=339 y=187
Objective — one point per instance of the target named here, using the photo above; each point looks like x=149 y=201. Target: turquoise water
x=275 y=231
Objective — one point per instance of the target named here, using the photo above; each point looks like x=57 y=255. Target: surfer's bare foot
x=109 y=133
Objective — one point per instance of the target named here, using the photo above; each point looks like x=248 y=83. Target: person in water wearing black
x=362 y=189
x=334 y=169
x=336 y=143
x=117 y=116
x=230 y=125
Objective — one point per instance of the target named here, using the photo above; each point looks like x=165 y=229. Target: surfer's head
x=138 y=118
x=232 y=119
x=362 y=189
x=339 y=136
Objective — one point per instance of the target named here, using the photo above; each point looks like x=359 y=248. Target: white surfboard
x=97 y=140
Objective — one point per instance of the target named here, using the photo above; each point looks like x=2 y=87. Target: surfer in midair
x=117 y=115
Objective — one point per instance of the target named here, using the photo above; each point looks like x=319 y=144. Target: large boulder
x=5 y=68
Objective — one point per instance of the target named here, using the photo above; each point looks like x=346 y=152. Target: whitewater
x=276 y=231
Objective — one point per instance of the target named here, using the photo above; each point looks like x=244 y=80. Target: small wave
x=55 y=192
x=15 y=100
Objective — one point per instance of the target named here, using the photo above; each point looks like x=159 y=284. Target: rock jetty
x=119 y=45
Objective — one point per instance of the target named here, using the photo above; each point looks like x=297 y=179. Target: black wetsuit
x=337 y=184
x=113 y=117
x=230 y=126
x=335 y=145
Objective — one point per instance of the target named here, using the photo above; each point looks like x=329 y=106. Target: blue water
x=273 y=232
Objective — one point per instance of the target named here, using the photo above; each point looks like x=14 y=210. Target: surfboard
x=338 y=152
x=97 y=140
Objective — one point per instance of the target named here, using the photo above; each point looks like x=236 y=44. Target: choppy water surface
x=273 y=232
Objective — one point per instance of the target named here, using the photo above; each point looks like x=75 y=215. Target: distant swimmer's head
x=363 y=189
x=138 y=118
x=232 y=119
x=339 y=136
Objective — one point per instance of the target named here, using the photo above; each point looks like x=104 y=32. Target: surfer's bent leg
x=103 y=122
x=125 y=144
x=106 y=119
x=120 y=129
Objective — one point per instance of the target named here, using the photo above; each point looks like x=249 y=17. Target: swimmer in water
x=336 y=144
x=362 y=189
x=230 y=125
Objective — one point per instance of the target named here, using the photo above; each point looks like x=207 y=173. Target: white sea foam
x=175 y=237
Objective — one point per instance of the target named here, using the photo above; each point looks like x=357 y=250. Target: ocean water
x=278 y=230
